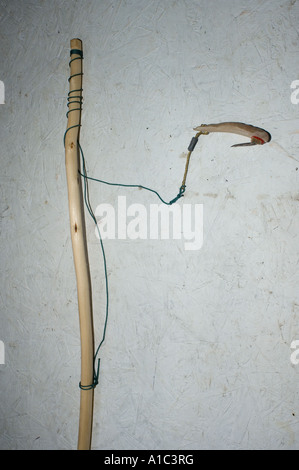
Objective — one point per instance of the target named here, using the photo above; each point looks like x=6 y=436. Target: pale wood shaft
x=80 y=252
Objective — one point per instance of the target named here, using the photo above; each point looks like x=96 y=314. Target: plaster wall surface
x=198 y=347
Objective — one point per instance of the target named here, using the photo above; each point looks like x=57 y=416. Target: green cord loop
x=95 y=379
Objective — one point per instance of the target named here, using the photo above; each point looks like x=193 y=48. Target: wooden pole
x=79 y=244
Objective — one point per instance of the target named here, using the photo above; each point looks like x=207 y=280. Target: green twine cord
x=96 y=372
x=139 y=186
x=78 y=99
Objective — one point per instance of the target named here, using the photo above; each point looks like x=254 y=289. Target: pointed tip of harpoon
x=246 y=144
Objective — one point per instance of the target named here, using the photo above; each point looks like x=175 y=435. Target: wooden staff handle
x=79 y=244
x=257 y=135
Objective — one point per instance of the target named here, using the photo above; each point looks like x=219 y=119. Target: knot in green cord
x=180 y=194
x=95 y=379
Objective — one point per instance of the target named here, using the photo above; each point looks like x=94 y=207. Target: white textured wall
x=197 y=353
